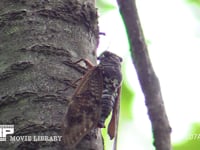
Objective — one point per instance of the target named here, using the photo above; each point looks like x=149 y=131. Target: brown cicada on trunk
x=95 y=97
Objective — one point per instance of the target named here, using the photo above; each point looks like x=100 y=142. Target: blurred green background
x=172 y=32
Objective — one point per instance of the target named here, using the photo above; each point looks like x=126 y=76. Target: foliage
x=104 y=6
x=127 y=96
x=192 y=141
x=197 y=2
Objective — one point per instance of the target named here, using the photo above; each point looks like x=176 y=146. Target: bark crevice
x=15 y=68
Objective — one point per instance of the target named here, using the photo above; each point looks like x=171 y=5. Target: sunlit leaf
x=127 y=96
x=192 y=142
x=194 y=2
x=104 y=6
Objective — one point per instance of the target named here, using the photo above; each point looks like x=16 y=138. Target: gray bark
x=38 y=40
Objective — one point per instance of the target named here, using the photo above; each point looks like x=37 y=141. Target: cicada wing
x=113 y=124
x=84 y=111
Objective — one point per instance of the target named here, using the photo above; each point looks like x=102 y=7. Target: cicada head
x=108 y=58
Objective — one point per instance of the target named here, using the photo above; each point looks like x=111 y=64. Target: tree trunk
x=38 y=40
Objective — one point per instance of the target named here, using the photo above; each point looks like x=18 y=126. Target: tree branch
x=146 y=75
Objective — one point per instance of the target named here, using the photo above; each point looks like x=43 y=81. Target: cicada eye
x=120 y=59
x=103 y=55
x=100 y=56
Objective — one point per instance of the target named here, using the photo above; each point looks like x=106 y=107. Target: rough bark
x=146 y=75
x=38 y=40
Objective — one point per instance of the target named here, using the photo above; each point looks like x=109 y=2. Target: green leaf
x=197 y=2
x=192 y=142
x=127 y=97
x=104 y=6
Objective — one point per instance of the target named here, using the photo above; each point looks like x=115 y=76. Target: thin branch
x=146 y=75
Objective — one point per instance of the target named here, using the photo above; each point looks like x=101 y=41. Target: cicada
x=94 y=98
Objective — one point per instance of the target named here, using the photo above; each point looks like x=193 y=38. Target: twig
x=147 y=77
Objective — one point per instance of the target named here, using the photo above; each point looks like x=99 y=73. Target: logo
x=5 y=130
x=9 y=129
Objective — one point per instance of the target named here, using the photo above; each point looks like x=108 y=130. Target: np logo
x=5 y=130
